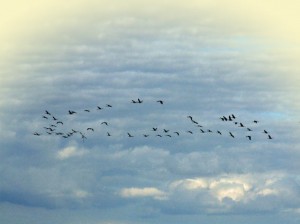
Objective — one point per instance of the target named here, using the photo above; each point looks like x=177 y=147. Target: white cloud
x=143 y=192
x=70 y=151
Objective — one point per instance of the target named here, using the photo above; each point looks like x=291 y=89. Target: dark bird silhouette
x=59 y=133
x=225 y=118
x=92 y=129
x=169 y=136
x=249 y=137
x=129 y=135
x=269 y=136
x=202 y=130
x=229 y=118
x=189 y=132
x=231 y=135
x=219 y=132
x=72 y=112
x=108 y=105
x=74 y=131
x=99 y=108
x=249 y=129
x=159 y=135
x=200 y=126
x=64 y=136
x=133 y=101
x=104 y=122
x=165 y=130
x=236 y=123
x=49 y=133
x=255 y=121
x=195 y=122
x=160 y=101
x=208 y=130
x=146 y=136
x=45 y=117
x=190 y=117
x=108 y=134
x=241 y=125
x=154 y=129
x=140 y=101
x=87 y=110
x=54 y=118
x=47 y=112
x=52 y=125
x=233 y=116
x=37 y=134
x=177 y=133
x=265 y=132
x=60 y=122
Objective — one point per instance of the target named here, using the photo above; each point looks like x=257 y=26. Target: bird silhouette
x=92 y=129
x=108 y=134
x=133 y=101
x=177 y=133
x=269 y=136
x=146 y=135
x=189 y=132
x=37 y=134
x=72 y=112
x=159 y=135
x=160 y=101
x=104 y=122
x=165 y=130
x=233 y=116
x=249 y=137
x=231 y=135
x=255 y=121
x=108 y=105
x=202 y=130
x=154 y=129
x=54 y=118
x=140 y=101
x=265 y=132
x=45 y=117
x=241 y=125
x=87 y=110
x=219 y=132
x=60 y=122
x=99 y=108
x=129 y=135
x=47 y=112
x=249 y=129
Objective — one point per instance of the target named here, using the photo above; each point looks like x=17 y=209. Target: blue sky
x=203 y=60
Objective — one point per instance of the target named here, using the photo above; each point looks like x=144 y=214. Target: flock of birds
x=55 y=126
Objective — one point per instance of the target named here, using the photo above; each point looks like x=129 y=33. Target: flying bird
x=269 y=136
x=87 y=110
x=37 y=134
x=72 y=112
x=129 y=135
x=54 y=118
x=160 y=101
x=177 y=133
x=47 y=112
x=92 y=129
x=255 y=121
x=231 y=135
x=140 y=101
x=146 y=136
x=99 y=108
x=108 y=134
x=108 y=105
x=60 y=122
x=45 y=117
x=189 y=132
x=104 y=122
x=154 y=129
x=249 y=137
x=165 y=130
x=265 y=132
x=219 y=132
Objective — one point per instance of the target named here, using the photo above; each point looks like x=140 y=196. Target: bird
x=219 y=132
x=158 y=135
x=59 y=133
x=54 y=118
x=154 y=129
x=74 y=131
x=189 y=132
x=133 y=101
x=165 y=130
x=177 y=133
x=225 y=118
x=108 y=105
x=249 y=137
x=140 y=101
x=241 y=125
x=255 y=121
x=229 y=118
x=190 y=117
x=37 y=134
x=231 y=135
x=129 y=135
x=160 y=101
x=208 y=130
x=72 y=112
x=45 y=117
x=146 y=135
x=249 y=129
x=169 y=136
x=265 y=132
x=195 y=122
x=87 y=110
x=202 y=130
x=92 y=129
x=99 y=108
x=108 y=134
x=104 y=122
x=269 y=136
x=233 y=116
x=52 y=125
x=47 y=112
x=60 y=122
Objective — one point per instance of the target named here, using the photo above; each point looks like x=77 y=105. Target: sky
x=204 y=59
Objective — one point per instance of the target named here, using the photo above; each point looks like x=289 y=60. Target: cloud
x=70 y=151
x=143 y=192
